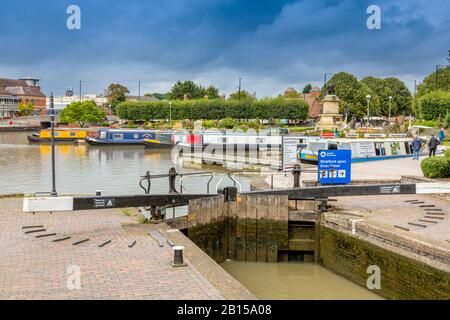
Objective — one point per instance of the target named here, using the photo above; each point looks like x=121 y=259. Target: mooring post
x=296 y=172
x=172 y=181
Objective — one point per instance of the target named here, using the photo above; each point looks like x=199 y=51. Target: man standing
x=416 y=145
x=432 y=145
x=441 y=136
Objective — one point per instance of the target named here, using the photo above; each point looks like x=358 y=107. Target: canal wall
x=264 y=228
x=401 y=277
x=252 y=228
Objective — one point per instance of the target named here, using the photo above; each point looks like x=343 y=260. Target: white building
x=60 y=102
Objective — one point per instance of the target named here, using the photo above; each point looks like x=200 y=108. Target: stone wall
x=252 y=228
x=401 y=277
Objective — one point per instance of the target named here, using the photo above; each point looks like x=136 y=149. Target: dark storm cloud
x=272 y=44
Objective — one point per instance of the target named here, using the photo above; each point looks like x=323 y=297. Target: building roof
x=290 y=89
x=3 y=92
x=20 y=88
x=315 y=89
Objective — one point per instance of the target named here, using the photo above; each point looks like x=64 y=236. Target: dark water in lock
x=295 y=281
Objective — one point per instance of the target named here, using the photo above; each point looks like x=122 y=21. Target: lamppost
x=368 y=97
x=325 y=78
x=52 y=126
x=170 y=114
x=390 y=106
x=81 y=97
x=239 y=90
x=438 y=67
x=139 y=90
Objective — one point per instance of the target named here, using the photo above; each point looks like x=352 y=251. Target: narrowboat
x=362 y=149
x=162 y=140
x=61 y=136
x=120 y=137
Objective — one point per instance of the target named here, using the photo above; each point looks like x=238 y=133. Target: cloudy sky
x=271 y=44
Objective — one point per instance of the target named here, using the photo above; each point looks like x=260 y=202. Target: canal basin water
x=295 y=281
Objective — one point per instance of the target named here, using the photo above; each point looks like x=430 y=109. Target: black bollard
x=178 y=257
x=296 y=172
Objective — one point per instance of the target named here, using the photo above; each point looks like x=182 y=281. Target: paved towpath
x=35 y=267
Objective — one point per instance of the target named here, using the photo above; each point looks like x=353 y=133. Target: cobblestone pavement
x=37 y=268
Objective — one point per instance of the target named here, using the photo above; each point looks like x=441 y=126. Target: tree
x=390 y=87
x=191 y=90
x=352 y=94
x=307 y=89
x=429 y=83
x=212 y=92
x=117 y=93
x=243 y=95
x=26 y=109
x=82 y=113
x=434 y=105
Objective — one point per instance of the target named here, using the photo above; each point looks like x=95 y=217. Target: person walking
x=432 y=145
x=441 y=136
x=416 y=145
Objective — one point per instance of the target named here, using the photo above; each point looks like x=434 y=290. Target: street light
x=239 y=90
x=170 y=114
x=81 y=97
x=368 y=97
x=390 y=105
x=52 y=126
x=139 y=90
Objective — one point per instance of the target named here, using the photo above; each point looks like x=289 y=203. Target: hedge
x=447 y=153
x=277 y=108
x=436 y=167
x=434 y=105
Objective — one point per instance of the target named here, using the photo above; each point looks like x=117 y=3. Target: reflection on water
x=295 y=281
x=81 y=169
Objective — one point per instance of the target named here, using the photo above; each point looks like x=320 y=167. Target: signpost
x=290 y=150
x=334 y=166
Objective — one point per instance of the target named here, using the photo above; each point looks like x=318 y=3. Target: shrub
x=447 y=121
x=434 y=105
x=104 y=124
x=447 y=153
x=436 y=167
x=243 y=127
x=208 y=124
x=227 y=123
x=215 y=109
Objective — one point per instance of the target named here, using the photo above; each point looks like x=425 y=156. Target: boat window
x=408 y=148
x=102 y=134
x=316 y=146
x=260 y=140
x=118 y=136
x=56 y=134
x=72 y=134
x=380 y=149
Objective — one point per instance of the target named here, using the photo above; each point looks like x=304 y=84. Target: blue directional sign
x=335 y=166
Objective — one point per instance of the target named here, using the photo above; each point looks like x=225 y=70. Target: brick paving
x=37 y=268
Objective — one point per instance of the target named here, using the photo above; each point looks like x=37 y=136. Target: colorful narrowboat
x=120 y=137
x=61 y=136
x=362 y=149
x=162 y=140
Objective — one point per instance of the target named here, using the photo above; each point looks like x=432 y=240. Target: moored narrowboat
x=61 y=136
x=120 y=137
x=162 y=140
x=362 y=149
